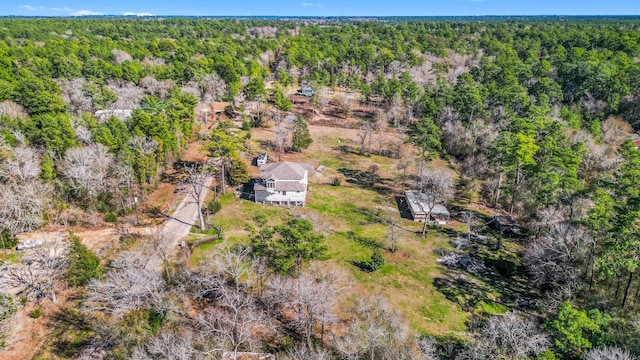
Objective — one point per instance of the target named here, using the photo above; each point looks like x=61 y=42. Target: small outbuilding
x=262 y=159
x=419 y=204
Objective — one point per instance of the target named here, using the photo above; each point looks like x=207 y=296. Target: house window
x=271 y=184
x=284 y=193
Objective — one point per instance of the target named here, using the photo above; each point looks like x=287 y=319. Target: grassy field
x=353 y=217
x=407 y=277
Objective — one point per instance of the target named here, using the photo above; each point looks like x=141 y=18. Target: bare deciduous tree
x=508 y=336
x=376 y=330
x=365 y=129
x=24 y=205
x=152 y=86
x=234 y=265
x=234 y=321
x=196 y=184
x=168 y=345
x=615 y=131
x=609 y=353
x=87 y=169
x=438 y=188
x=471 y=221
x=305 y=353
x=121 y=56
x=554 y=259
x=127 y=286
x=282 y=131
x=428 y=348
x=212 y=87
x=591 y=105
x=43 y=266
x=381 y=129
x=307 y=301
x=129 y=95
x=72 y=93
x=23 y=164
x=83 y=134
x=13 y=110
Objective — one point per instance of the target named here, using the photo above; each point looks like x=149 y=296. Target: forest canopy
x=536 y=116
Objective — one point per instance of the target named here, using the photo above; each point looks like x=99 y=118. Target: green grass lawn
x=353 y=219
x=406 y=279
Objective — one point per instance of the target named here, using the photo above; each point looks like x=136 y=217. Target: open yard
x=354 y=218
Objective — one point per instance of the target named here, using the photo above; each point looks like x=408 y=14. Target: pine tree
x=301 y=139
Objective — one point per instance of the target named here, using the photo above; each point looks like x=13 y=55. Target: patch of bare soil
x=163 y=197
x=28 y=335
x=195 y=153
x=100 y=241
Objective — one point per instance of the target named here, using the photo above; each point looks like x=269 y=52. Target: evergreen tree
x=84 y=265
x=301 y=139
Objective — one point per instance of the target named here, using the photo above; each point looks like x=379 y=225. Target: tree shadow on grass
x=366 y=180
x=347 y=150
x=370 y=243
x=363 y=266
x=371 y=215
x=500 y=283
x=71 y=332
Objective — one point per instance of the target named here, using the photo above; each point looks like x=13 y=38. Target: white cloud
x=308 y=4
x=31 y=8
x=137 y=14
x=84 y=13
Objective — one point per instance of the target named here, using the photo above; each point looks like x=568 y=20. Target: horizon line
x=318 y=16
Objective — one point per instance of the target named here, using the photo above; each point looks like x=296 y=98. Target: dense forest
x=536 y=118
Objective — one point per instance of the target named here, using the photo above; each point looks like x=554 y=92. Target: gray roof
x=419 y=204
x=290 y=186
x=282 y=171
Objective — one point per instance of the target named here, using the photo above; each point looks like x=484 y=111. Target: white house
x=282 y=183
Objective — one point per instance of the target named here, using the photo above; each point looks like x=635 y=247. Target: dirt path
x=178 y=226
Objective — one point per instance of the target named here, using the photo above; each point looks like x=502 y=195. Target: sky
x=318 y=7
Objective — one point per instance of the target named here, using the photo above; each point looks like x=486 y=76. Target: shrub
x=213 y=207
x=7 y=307
x=7 y=240
x=111 y=217
x=36 y=313
x=336 y=181
x=376 y=261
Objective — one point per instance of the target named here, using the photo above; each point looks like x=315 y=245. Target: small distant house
x=418 y=203
x=635 y=139
x=305 y=90
x=262 y=159
x=376 y=99
x=282 y=183
x=104 y=115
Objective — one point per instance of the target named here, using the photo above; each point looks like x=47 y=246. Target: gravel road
x=177 y=227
